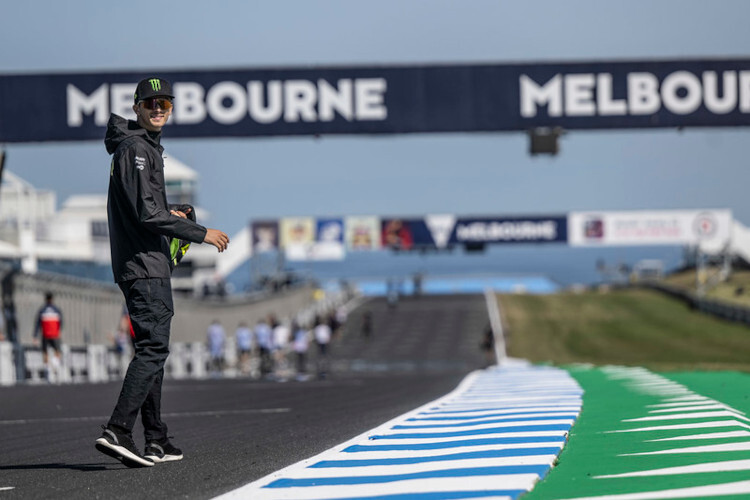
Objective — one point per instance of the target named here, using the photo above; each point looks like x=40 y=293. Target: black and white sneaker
x=162 y=452
x=121 y=447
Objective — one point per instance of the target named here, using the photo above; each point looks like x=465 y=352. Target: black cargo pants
x=150 y=306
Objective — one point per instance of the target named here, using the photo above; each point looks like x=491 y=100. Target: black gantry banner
x=389 y=99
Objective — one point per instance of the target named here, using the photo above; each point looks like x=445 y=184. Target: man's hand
x=217 y=238
x=180 y=214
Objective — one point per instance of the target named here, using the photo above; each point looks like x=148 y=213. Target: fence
x=91 y=316
x=99 y=363
x=723 y=310
x=92 y=310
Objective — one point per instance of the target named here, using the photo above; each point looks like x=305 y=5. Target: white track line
x=477 y=466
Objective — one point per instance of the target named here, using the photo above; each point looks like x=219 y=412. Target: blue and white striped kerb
x=494 y=436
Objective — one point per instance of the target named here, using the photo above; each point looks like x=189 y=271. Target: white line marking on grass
x=710 y=435
x=701 y=425
x=731 y=465
x=710 y=406
x=712 y=448
x=682 y=416
x=691 y=397
x=736 y=488
x=702 y=401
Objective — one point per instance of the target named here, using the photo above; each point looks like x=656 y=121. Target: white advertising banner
x=363 y=232
x=309 y=239
x=711 y=229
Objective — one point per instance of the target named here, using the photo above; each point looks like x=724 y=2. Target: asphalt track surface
x=234 y=431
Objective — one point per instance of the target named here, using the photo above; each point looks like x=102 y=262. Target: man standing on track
x=141 y=226
x=49 y=325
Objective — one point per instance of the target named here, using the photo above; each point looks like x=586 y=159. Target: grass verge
x=631 y=327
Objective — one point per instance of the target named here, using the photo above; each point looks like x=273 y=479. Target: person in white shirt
x=322 y=333
x=265 y=343
x=301 y=342
x=281 y=335
x=244 y=339
x=215 y=339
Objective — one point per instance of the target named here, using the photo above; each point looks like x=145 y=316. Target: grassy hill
x=736 y=289
x=625 y=327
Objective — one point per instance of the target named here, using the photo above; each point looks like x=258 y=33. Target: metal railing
x=92 y=310
x=720 y=309
x=91 y=317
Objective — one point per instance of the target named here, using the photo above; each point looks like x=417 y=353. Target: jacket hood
x=119 y=129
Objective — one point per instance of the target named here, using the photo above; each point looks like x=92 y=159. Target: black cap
x=153 y=87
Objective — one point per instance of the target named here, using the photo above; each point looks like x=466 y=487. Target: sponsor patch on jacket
x=140 y=162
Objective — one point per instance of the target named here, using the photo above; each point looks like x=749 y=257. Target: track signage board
x=389 y=99
x=710 y=229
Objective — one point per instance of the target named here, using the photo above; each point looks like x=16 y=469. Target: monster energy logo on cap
x=153 y=87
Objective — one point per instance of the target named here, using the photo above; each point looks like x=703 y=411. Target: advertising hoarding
x=710 y=229
x=390 y=99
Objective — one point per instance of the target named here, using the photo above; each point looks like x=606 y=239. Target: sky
x=465 y=174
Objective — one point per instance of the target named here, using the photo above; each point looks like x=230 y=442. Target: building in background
x=181 y=182
x=75 y=238
x=26 y=214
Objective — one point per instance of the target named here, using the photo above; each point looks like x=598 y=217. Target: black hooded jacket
x=140 y=225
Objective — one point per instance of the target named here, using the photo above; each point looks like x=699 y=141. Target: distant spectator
x=366 y=329
x=9 y=319
x=333 y=324
x=221 y=288
x=488 y=345
x=125 y=335
x=322 y=333
x=281 y=335
x=392 y=293
x=301 y=343
x=122 y=342
x=341 y=315
x=417 y=284
x=265 y=344
x=216 y=339
x=49 y=324
x=244 y=339
x=126 y=324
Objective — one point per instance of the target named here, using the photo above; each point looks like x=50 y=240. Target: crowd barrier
x=92 y=312
x=95 y=363
x=723 y=310
x=102 y=363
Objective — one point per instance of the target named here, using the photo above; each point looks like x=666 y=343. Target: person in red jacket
x=49 y=325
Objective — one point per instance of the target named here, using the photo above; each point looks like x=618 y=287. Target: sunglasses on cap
x=153 y=102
